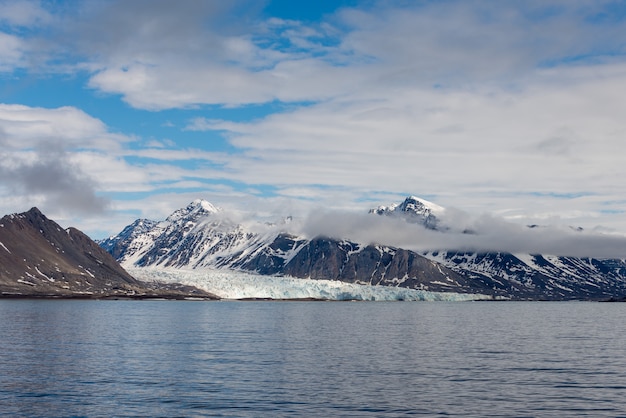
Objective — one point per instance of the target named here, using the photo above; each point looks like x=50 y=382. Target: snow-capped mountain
x=542 y=276
x=198 y=235
x=197 y=238
x=414 y=210
x=202 y=236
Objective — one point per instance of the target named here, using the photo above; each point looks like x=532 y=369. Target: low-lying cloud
x=483 y=233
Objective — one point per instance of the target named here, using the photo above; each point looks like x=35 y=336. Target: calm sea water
x=166 y=358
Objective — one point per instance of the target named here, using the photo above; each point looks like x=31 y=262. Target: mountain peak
x=419 y=205
x=204 y=205
x=196 y=208
x=35 y=211
x=34 y=215
x=414 y=210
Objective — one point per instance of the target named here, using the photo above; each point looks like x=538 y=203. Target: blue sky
x=114 y=110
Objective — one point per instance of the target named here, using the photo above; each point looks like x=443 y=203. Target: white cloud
x=490 y=233
x=429 y=128
x=541 y=144
x=65 y=162
x=27 y=126
x=23 y=13
x=489 y=106
x=41 y=158
x=167 y=58
x=18 y=47
x=11 y=52
x=143 y=85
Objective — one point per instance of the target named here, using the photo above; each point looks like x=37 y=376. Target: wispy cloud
x=24 y=13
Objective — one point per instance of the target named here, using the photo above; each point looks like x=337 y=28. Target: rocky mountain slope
x=201 y=236
x=541 y=276
x=39 y=258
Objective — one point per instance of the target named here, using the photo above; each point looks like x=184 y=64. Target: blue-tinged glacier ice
x=229 y=284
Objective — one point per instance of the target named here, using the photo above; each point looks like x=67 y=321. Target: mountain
x=202 y=236
x=414 y=210
x=38 y=258
x=533 y=276
x=196 y=238
x=542 y=276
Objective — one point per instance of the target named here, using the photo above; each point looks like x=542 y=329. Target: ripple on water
x=167 y=358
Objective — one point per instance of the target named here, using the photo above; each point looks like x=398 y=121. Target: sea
x=75 y=358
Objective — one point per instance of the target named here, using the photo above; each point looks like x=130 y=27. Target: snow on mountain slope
x=195 y=236
x=130 y=240
x=201 y=236
x=543 y=276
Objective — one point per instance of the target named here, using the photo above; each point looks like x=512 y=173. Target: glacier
x=231 y=284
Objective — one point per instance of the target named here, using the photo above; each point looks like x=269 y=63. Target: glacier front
x=229 y=284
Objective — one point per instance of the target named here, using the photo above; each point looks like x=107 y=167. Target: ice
x=229 y=284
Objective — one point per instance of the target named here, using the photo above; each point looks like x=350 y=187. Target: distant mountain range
x=38 y=258
x=203 y=236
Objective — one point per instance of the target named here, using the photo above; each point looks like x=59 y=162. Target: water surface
x=169 y=358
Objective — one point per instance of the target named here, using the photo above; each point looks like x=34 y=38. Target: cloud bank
x=466 y=233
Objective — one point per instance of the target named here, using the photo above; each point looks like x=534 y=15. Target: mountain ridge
x=206 y=240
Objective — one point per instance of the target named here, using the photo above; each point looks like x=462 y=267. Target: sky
x=115 y=110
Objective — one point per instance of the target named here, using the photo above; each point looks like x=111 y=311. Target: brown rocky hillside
x=38 y=258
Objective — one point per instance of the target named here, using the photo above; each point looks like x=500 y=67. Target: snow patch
x=3 y=246
x=87 y=271
x=50 y=279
